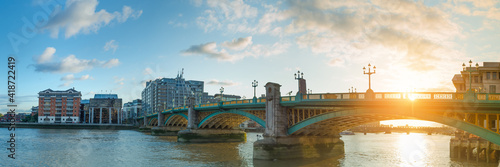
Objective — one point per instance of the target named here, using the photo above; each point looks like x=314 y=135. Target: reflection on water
x=45 y=147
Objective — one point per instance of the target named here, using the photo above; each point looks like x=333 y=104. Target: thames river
x=60 y=147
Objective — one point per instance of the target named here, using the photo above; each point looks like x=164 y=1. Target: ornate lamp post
x=298 y=76
x=254 y=85
x=470 y=94
x=309 y=91
x=221 y=91
x=369 y=92
x=470 y=72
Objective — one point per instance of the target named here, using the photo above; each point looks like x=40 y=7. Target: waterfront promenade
x=69 y=126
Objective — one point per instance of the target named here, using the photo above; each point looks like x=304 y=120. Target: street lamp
x=221 y=91
x=309 y=91
x=254 y=85
x=298 y=77
x=470 y=72
x=369 y=75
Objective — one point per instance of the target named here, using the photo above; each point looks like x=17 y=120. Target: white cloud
x=222 y=83
x=233 y=10
x=336 y=62
x=111 y=45
x=46 y=55
x=82 y=17
x=233 y=14
x=244 y=45
x=119 y=80
x=491 y=13
x=209 y=49
x=147 y=71
x=196 y=3
x=70 y=78
x=238 y=44
x=111 y=63
x=71 y=64
x=358 y=28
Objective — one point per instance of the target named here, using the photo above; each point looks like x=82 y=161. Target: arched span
x=462 y=125
x=169 y=117
x=151 y=120
x=239 y=112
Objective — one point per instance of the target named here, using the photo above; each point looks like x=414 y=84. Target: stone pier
x=297 y=147
x=474 y=149
x=165 y=131
x=277 y=144
x=211 y=135
x=194 y=135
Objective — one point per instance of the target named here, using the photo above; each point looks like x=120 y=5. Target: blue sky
x=115 y=46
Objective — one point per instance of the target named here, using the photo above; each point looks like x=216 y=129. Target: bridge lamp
x=221 y=91
x=254 y=85
x=369 y=73
x=299 y=75
x=470 y=72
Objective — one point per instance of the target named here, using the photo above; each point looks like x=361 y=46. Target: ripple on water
x=63 y=147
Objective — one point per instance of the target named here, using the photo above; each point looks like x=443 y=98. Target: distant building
x=485 y=80
x=34 y=110
x=8 y=117
x=132 y=110
x=166 y=93
x=104 y=109
x=226 y=97
x=59 y=106
x=84 y=106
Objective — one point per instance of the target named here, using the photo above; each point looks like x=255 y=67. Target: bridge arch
x=153 y=121
x=459 y=124
x=237 y=112
x=176 y=115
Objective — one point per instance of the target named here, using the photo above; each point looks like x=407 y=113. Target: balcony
x=46 y=113
x=69 y=113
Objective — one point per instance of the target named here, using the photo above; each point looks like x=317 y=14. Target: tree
x=1 y=115
x=27 y=118
x=35 y=118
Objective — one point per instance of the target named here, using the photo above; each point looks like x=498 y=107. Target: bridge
x=308 y=125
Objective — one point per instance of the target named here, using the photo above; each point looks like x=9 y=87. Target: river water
x=68 y=147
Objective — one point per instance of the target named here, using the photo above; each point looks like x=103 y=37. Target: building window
x=488 y=76
x=494 y=75
x=476 y=79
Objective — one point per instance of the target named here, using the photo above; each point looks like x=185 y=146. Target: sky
x=116 y=46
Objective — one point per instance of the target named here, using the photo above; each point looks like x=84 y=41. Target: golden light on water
x=412 y=149
x=410 y=122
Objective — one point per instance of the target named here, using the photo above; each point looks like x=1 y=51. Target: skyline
x=97 y=45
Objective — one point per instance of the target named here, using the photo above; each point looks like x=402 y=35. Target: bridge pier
x=194 y=135
x=165 y=131
x=297 y=147
x=277 y=144
x=211 y=135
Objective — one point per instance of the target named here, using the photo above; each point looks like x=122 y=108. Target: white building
x=485 y=79
x=132 y=110
x=166 y=93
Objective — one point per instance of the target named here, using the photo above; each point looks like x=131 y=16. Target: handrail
x=494 y=97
